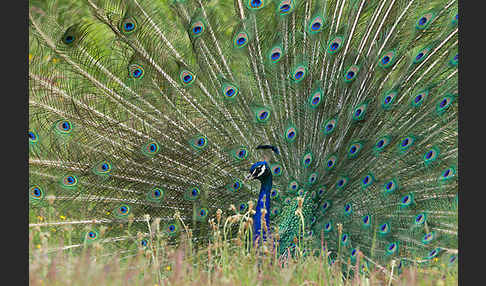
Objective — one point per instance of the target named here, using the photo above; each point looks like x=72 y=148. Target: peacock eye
x=129 y=26
x=256 y=3
x=406 y=142
x=299 y=73
x=452 y=259
x=290 y=134
x=316 y=24
x=202 y=214
x=241 y=39
x=262 y=114
x=285 y=7
x=366 y=219
x=334 y=45
x=344 y=238
x=366 y=179
x=351 y=73
x=69 y=181
x=229 y=91
x=69 y=39
x=197 y=28
x=275 y=54
x=424 y=21
x=122 y=211
x=243 y=207
x=136 y=71
x=443 y=103
x=187 y=77
x=313 y=178
x=144 y=242
x=32 y=137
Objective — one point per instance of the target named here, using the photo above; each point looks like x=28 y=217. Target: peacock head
x=259 y=170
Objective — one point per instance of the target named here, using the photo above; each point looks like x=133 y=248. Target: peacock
x=327 y=121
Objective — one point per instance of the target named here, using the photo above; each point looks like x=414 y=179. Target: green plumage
x=149 y=107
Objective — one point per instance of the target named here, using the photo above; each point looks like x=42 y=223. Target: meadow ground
x=57 y=258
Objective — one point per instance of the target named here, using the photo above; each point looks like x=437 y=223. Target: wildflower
x=30 y=57
x=62 y=217
x=168 y=268
x=40 y=218
x=38 y=246
x=54 y=60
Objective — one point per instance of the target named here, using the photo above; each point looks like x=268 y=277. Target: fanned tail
x=148 y=108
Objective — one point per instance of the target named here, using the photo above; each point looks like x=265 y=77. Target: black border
x=14 y=112
x=470 y=143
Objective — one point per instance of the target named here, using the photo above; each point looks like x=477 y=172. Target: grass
x=222 y=261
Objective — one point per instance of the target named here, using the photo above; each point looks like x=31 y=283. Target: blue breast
x=257 y=218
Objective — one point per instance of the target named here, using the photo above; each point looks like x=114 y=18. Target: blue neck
x=264 y=192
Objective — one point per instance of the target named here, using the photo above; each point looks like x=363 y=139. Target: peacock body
x=157 y=107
